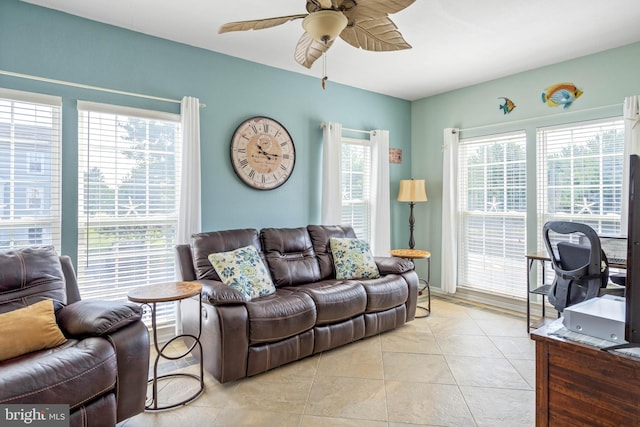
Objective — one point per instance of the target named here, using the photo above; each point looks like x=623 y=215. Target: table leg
x=427 y=309
x=529 y=266
x=160 y=352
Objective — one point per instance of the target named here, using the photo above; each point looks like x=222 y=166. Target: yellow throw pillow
x=29 y=329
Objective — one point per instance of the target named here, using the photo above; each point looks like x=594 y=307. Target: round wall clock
x=262 y=153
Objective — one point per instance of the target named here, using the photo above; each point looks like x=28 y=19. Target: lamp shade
x=412 y=190
x=324 y=25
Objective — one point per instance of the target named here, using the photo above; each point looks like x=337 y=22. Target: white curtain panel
x=450 y=211
x=189 y=219
x=380 y=194
x=631 y=113
x=189 y=216
x=331 y=182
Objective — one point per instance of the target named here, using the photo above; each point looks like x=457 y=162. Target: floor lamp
x=412 y=191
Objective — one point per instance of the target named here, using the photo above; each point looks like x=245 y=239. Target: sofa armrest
x=217 y=293
x=96 y=318
x=393 y=265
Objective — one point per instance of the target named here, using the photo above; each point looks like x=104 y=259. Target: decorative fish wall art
x=561 y=94
x=508 y=105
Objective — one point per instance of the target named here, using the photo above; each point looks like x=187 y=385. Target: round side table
x=414 y=254
x=168 y=292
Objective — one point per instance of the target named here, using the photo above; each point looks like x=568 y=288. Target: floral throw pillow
x=244 y=271
x=352 y=259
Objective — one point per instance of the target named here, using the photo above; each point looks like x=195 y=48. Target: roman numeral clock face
x=262 y=153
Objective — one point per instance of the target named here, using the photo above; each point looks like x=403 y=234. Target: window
x=580 y=174
x=356 y=185
x=128 y=200
x=29 y=169
x=492 y=208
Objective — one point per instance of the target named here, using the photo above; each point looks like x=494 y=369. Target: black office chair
x=581 y=269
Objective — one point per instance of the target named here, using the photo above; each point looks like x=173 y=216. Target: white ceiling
x=456 y=43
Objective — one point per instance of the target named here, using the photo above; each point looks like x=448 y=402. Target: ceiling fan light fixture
x=324 y=25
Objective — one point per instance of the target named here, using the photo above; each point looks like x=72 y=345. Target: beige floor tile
x=527 y=369
x=256 y=393
x=415 y=326
x=362 y=359
x=500 y=328
x=341 y=397
x=314 y=421
x=489 y=313
x=183 y=416
x=493 y=407
x=446 y=308
x=515 y=347
x=486 y=372
x=459 y=325
x=468 y=345
x=410 y=340
x=175 y=389
x=430 y=404
x=428 y=368
x=231 y=417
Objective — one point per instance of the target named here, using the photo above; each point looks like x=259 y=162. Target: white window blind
x=30 y=165
x=492 y=214
x=356 y=185
x=128 y=164
x=580 y=174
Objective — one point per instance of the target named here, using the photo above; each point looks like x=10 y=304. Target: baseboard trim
x=502 y=302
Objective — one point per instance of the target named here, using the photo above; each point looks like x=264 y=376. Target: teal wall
x=47 y=43
x=606 y=79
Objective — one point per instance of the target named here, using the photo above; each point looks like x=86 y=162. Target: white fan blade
x=371 y=9
x=258 y=24
x=308 y=50
x=375 y=34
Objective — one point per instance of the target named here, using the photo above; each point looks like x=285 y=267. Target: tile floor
x=465 y=365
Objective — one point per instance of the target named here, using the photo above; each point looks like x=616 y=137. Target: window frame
x=542 y=173
x=127 y=255
x=364 y=231
x=47 y=223
x=493 y=277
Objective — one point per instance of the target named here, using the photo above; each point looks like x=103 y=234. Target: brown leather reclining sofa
x=310 y=312
x=100 y=371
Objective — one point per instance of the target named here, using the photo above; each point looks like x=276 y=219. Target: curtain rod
x=539 y=117
x=370 y=132
x=97 y=88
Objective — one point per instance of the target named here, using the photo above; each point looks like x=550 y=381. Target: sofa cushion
x=29 y=329
x=290 y=256
x=244 y=271
x=320 y=235
x=352 y=259
x=30 y=275
x=203 y=244
x=335 y=300
x=279 y=316
x=385 y=292
x=72 y=373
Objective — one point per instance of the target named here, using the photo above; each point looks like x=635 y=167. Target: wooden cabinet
x=581 y=385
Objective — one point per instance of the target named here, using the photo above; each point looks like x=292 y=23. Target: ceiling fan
x=361 y=23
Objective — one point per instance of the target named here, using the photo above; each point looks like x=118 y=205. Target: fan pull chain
x=324 y=69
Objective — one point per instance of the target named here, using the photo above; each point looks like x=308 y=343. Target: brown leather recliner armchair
x=100 y=371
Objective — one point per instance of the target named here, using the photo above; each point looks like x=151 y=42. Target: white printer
x=602 y=317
